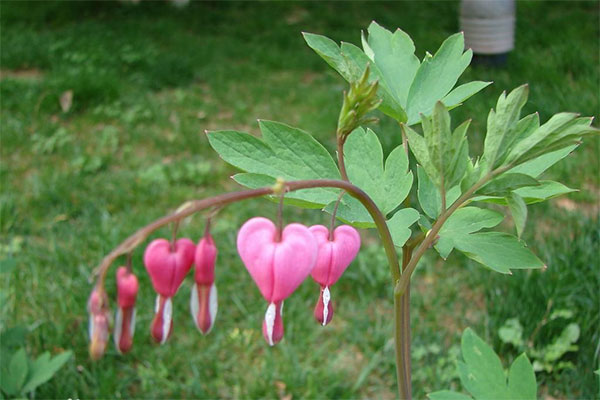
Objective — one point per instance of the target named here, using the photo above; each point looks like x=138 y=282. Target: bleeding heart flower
x=167 y=269
x=277 y=267
x=99 y=322
x=333 y=259
x=127 y=288
x=203 y=302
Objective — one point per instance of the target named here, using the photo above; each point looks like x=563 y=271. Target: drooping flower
x=277 y=267
x=167 y=268
x=98 y=323
x=203 y=301
x=333 y=259
x=127 y=288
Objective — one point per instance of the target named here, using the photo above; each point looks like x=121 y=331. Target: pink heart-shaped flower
x=277 y=267
x=335 y=255
x=167 y=268
x=127 y=288
x=333 y=259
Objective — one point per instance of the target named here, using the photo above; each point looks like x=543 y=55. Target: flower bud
x=203 y=301
x=127 y=288
x=98 y=322
x=167 y=268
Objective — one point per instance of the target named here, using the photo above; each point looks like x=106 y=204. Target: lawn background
x=147 y=80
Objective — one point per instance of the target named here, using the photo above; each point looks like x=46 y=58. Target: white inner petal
x=270 y=322
x=213 y=305
x=118 y=327
x=194 y=304
x=167 y=317
x=326 y=299
x=91 y=326
x=132 y=323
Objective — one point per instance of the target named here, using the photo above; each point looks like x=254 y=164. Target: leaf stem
x=404 y=281
x=340 y=156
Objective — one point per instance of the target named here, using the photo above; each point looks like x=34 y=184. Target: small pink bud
x=98 y=323
x=167 y=269
x=277 y=267
x=203 y=302
x=127 y=288
x=333 y=259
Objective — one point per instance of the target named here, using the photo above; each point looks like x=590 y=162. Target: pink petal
x=127 y=288
x=205 y=257
x=334 y=256
x=168 y=269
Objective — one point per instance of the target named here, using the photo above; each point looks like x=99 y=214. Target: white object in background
x=489 y=25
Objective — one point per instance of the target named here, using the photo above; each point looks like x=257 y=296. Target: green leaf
x=501 y=125
x=351 y=212
x=404 y=83
x=521 y=379
x=463 y=92
x=448 y=395
x=400 y=223
x=363 y=156
x=497 y=251
x=330 y=52
x=7 y=265
x=436 y=76
x=532 y=194
x=429 y=196
x=285 y=152
x=518 y=210
x=481 y=373
x=14 y=337
x=511 y=332
x=561 y=130
x=506 y=183
x=44 y=368
x=393 y=53
x=14 y=377
x=538 y=165
x=464 y=221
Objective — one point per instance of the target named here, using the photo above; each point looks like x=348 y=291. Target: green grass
x=148 y=80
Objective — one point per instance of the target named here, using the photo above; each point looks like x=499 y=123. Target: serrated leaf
x=561 y=130
x=363 y=157
x=44 y=368
x=521 y=379
x=393 y=53
x=482 y=374
x=497 y=251
x=501 y=125
x=404 y=82
x=506 y=183
x=540 y=164
x=464 y=221
x=518 y=210
x=463 y=92
x=448 y=395
x=532 y=194
x=400 y=223
x=429 y=196
x=436 y=76
x=330 y=52
x=285 y=152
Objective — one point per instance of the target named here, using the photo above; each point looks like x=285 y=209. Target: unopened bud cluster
x=278 y=262
x=358 y=102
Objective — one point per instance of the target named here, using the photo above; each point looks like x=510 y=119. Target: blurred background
x=103 y=109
